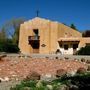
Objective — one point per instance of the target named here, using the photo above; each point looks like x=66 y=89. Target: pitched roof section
x=39 y=21
x=46 y=20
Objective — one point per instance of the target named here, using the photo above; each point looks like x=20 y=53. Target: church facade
x=49 y=37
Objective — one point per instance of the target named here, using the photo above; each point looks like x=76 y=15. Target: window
x=66 y=46
x=75 y=46
x=35 y=32
x=61 y=45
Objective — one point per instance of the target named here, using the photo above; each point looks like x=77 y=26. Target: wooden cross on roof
x=37 y=13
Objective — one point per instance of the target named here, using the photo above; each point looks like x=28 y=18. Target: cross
x=37 y=12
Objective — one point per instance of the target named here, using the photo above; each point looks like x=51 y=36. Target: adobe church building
x=47 y=37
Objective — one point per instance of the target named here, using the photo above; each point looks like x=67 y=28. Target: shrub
x=17 y=87
x=8 y=47
x=84 y=51
x=77 y=82
x=26 y=88
x=30 y=83
x=11 y=48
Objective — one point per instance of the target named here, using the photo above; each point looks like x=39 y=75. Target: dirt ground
x=18 y=68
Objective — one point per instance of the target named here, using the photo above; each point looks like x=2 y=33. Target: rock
x=83 y=60
x=72 y=73
x=58 y=83
x=66 y=58
x=48 y=77
x=60 y=72
x=81 y=70
x=63 y=87
x=2 y=56
x=1 y=79
x=16 y=79
x=88 y=68
x=33 y=76
x=14 y=75
x=39 y=84
x=6 y=79
x=56 y=57
x=73 y=87
x=88 y=61
x=50 y=87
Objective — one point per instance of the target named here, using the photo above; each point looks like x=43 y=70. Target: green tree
x=73 y=26
x=9 y=36
x=84 y=51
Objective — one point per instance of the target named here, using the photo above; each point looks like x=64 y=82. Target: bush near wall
x=9 y=47
x=84 y=51
x=77 y=82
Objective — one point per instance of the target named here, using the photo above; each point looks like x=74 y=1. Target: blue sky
x=64 y=11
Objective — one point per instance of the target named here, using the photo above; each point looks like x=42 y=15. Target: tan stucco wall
x=49 y=33
x=84 y=41
x=65 y=31
x=26 y=30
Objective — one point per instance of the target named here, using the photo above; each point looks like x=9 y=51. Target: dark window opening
x=35 y=32
x=66 y=46
x=60 y=45
x=35 y=45
x=75 y=46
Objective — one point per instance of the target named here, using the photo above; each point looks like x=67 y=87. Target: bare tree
x=12 y=28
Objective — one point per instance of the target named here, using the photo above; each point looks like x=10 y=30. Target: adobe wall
x=49 y=33
x=65 y=31
x=84 y=41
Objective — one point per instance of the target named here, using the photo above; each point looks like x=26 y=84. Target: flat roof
x=69 y=39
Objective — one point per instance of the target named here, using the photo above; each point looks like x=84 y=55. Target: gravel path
x=7 y=85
